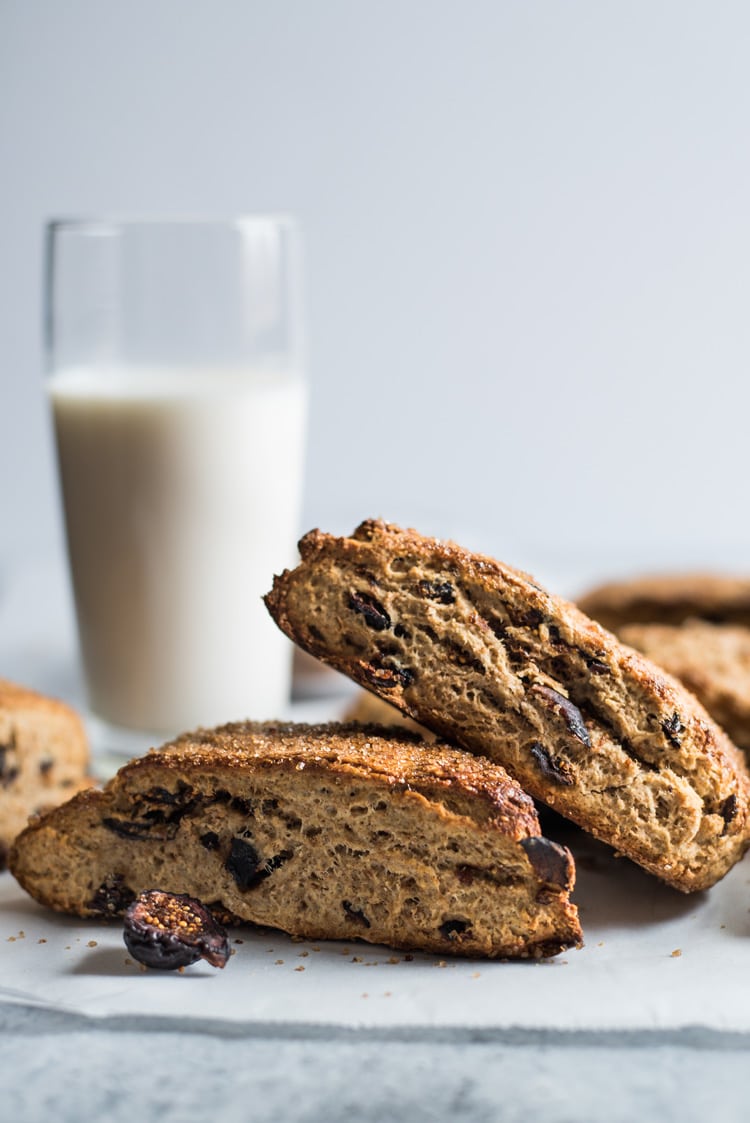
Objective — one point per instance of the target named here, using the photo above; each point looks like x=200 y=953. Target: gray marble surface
x=63 y=1068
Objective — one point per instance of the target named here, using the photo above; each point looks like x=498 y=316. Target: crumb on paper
x=676 y=953
x=239 y=941
x=128 y=962
x=233 y=951
x=11 y=939
x=41 y=940
x=279 y=962
x=394 y=959
x=409 y=958
x=303 y=954
x=300 y=968
x=440 y=963
x=600 y=944
x=22 y=935
x=476 y=975
x=356 y=959
x=92 y=944
x=315 y=947
x=346 y=951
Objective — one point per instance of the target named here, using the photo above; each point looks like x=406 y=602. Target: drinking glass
x=176 y=376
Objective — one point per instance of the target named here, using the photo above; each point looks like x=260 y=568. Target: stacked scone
x=482 y=655
x=696 y=626
x=367 y=831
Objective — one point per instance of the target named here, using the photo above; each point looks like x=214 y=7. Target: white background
x=528 y=248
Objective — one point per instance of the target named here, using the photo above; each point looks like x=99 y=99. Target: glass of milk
x=177 y=382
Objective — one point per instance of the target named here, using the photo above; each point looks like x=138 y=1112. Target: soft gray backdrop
x=528 y=248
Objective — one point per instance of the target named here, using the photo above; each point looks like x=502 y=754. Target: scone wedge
x=711 y=660
x=44 y=757
x=670 y=598
x=330 y=831
x=480 y=654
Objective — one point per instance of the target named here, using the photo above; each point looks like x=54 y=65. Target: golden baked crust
x=711 y=660
x=44 y=757
x=486 y=658
x=669 y=598
x=333 y=831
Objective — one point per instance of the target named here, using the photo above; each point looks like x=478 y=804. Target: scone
x=323 y=831
x=711 y=660
x=670 y=599
x=44 y=757
x=482 y=655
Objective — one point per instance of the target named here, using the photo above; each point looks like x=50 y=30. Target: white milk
x=182 y=494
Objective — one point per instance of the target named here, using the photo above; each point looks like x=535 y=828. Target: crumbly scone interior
x=320 y=855
x=479 y=653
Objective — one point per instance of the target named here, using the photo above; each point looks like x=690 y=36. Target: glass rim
x=122 y=222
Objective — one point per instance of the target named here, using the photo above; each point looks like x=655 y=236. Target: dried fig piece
x=570 y=714
x=171 y=930
x=551 y=768
x=441 y=591
x=374 y=614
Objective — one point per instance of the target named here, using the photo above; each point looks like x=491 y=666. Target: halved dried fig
x=171 y=930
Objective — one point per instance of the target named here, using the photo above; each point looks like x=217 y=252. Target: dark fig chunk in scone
x=334 y=831
x=481 y=655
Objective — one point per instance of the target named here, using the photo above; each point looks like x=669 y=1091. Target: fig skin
x=166 y=931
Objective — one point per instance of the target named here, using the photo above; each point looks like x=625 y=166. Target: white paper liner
x=653 y=959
